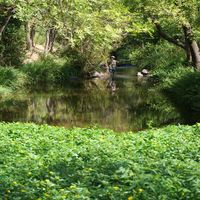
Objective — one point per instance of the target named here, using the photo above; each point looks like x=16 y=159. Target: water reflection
x=121 y=103
x=111 y=85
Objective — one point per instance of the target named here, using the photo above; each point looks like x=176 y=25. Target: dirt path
x=35 y=55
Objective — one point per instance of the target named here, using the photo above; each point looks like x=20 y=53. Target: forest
x=99 y=99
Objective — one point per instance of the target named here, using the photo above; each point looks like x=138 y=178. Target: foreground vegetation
x=42 y=162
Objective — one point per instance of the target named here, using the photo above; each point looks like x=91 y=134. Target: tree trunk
x=46 y=48
x=29 y=42
x=191 y=47
x=187 y=45
x=188 y=53
x=10 y=12
x=195 y=54
x=32 y=35
x=52 y=39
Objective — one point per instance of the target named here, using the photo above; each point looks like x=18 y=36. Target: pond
x=133 y=105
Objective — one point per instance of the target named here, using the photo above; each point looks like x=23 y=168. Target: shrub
x=12 y=78
x=161 y=54
x=184 y=93
x=4 y=91
x=48 y=71
x=168 y=75
x=42 y=162
x=75 y=58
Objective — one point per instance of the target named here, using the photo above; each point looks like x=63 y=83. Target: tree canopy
x=91 y=27
x=94 y=28
x=176 y=21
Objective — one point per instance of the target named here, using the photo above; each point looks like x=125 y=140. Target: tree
x=176 y=21
x=91 y=28
x=11 y=36
x=6 y=12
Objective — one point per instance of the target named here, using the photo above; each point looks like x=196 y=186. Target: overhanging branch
x=167 y=37
x=10 y=12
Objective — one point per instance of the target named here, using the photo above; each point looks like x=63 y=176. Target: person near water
x=112 y=64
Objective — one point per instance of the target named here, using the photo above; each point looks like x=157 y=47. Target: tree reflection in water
x=121 y=104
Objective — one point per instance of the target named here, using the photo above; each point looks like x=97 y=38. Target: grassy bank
x=44 y=72
x=42 y=162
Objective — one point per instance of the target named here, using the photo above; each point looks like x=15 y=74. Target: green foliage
x=92 y=28
x=12 y=78
x=157 y=55
x=48 y=71
x=185 y=94
x=42 y=162
x=133 y=46
x=12 y=44
x=4 y=91
x=165 y=61
x=175 y=21
x=172 y=14
x=168 y=75
x=75 y=58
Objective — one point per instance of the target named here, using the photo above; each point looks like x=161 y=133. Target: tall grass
x=48 y=71
x=12 y=77
x=45 y=72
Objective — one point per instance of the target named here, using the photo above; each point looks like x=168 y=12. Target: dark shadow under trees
x=185 y=96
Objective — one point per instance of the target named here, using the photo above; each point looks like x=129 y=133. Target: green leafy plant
x=43 y=162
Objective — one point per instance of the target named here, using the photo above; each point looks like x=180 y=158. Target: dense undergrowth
x=47 y=71
x=185 y=95
x=165 y=61
x=42 y=162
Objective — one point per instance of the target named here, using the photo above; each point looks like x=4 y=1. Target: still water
x=133 y=105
